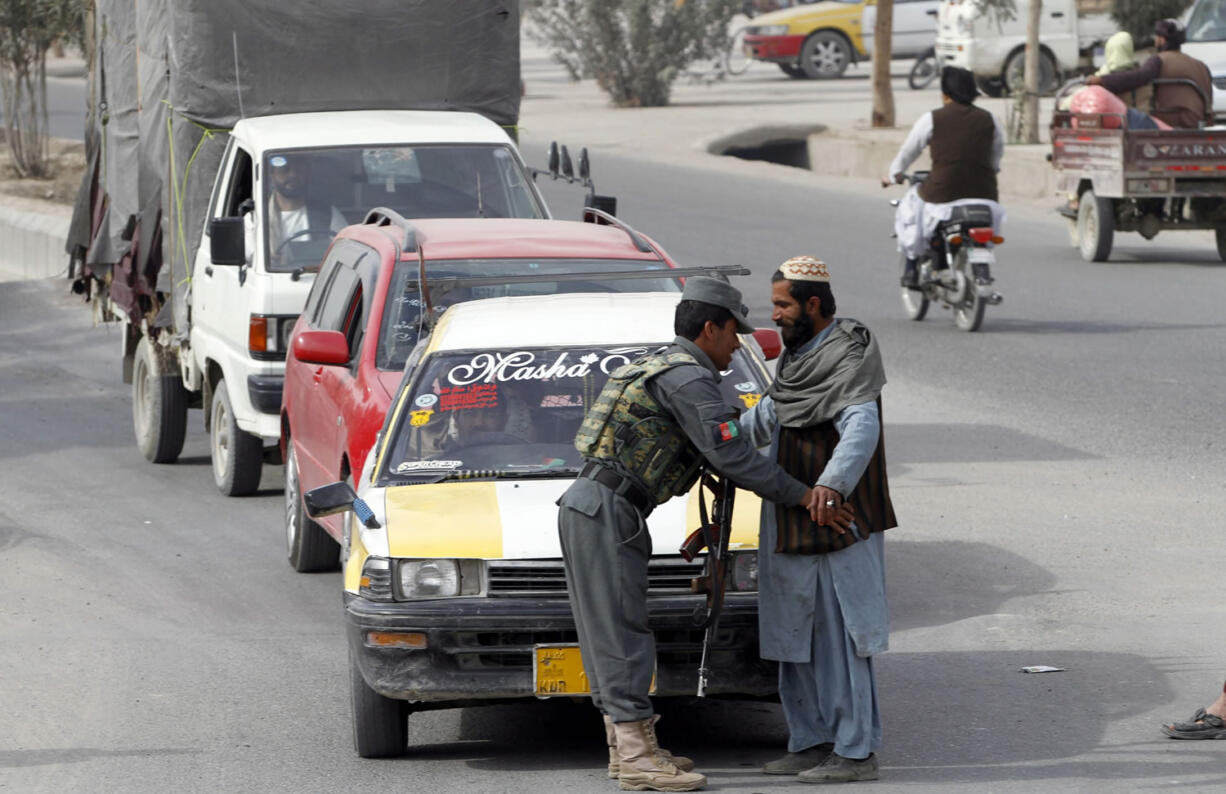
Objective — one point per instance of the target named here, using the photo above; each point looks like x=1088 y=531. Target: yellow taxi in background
x=820 y=40
x=454 y=589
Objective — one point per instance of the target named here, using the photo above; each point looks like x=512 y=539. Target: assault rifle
x=715 y=536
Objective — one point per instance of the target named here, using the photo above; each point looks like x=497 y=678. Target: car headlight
x=745 y=571
x=767 y=30
x=438 y=578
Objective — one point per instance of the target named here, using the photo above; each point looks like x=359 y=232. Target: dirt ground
x=67 y=165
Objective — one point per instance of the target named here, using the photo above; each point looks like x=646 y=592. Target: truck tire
x=1013 y=78
x=380 y=725
x=1095 y=227
x=1221 y=242
x=159 y=408
x=309 y=546
x=238 y=456
x=825 y=55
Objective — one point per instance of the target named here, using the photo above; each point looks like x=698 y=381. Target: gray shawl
x=845 y=369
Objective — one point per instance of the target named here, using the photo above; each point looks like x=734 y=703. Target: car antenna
x=238 y=85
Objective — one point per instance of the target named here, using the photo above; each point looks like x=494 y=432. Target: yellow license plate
x=557 y=670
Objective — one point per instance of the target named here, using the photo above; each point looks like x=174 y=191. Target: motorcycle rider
x=966 y=144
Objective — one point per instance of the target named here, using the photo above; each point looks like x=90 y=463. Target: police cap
x=718 y=293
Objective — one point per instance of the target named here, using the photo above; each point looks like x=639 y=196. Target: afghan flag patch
x=726 y=431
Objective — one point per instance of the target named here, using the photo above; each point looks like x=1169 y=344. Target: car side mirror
x=227 y=241
x=328 y=500
x=568 y=168
x=337 y=497
x=771 y=343
x=321 y=347
x=553 y=159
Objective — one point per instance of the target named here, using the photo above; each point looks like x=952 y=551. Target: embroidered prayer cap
x=805 y=268
x=705 y=289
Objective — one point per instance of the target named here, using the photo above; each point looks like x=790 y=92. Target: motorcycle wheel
x=924 y=70
x=968 y=315
x=914 y=301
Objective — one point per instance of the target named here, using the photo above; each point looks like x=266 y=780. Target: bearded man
x=822 y=607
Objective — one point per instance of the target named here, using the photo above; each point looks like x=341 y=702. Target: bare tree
x=883 y=48
x=633 y=48
x=1030 y=103
x=28 y=28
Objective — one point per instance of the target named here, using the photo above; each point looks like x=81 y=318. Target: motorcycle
x=956 y=268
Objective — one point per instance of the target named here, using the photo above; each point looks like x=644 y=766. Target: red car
x=360 y=325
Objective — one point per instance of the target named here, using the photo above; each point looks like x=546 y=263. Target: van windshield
x=1208 y=21
x=311 y=194
x=514 y=413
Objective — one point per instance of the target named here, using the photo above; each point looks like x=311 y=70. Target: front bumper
x=265 y=392
x=777 y=49
x=480 y=649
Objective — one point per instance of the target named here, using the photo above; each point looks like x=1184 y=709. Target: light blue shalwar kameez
x=824 y=616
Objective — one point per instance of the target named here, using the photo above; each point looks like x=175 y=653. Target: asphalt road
x=1058 y=478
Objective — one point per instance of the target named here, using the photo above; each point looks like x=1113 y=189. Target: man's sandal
x=1202 y=725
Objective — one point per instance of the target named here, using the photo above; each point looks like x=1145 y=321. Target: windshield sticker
x=480 y=395
x=428 y=400
x=750 y=400
x=746 y=386
x=420 y=418
x=429 y=465
x=524 y=365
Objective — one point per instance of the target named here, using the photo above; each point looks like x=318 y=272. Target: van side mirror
x=553 y=159
x=227 y=241
x=603 y=203
x=568 y=168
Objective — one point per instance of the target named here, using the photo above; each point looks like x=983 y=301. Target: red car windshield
x=398 y=332
x=514 y=413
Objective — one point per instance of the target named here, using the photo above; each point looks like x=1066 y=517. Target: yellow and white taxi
x=454 y=588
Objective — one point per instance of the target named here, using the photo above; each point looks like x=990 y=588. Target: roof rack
x=382 y=216
x=593 y=215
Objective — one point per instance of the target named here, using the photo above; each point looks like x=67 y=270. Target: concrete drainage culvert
x=784 y=145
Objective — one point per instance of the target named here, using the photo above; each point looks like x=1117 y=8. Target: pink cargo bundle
x=1097 y=100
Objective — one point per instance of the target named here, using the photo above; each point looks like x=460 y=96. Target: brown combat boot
x=610 y=735
x=642 y=767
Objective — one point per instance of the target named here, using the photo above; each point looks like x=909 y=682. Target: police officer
x=657 y=422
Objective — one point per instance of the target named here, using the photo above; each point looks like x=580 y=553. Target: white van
x=1206 y=25
x=994 y=48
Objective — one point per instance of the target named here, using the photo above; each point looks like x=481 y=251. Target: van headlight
x=745 y=571
x=437 y=578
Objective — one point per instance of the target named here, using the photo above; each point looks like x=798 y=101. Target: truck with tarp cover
x=228 y=140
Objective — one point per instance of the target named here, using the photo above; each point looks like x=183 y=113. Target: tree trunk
x=1030 y=105
x=883 y=93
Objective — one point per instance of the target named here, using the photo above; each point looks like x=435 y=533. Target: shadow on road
x=970 y=443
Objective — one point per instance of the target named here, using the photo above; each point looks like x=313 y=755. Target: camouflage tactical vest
x=626 y=424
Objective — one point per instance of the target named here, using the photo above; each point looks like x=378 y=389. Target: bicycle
x=732 y=61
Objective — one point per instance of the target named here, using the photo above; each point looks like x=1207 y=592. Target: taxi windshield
x=311 y=194
x=513 y=413
x=398 y=332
